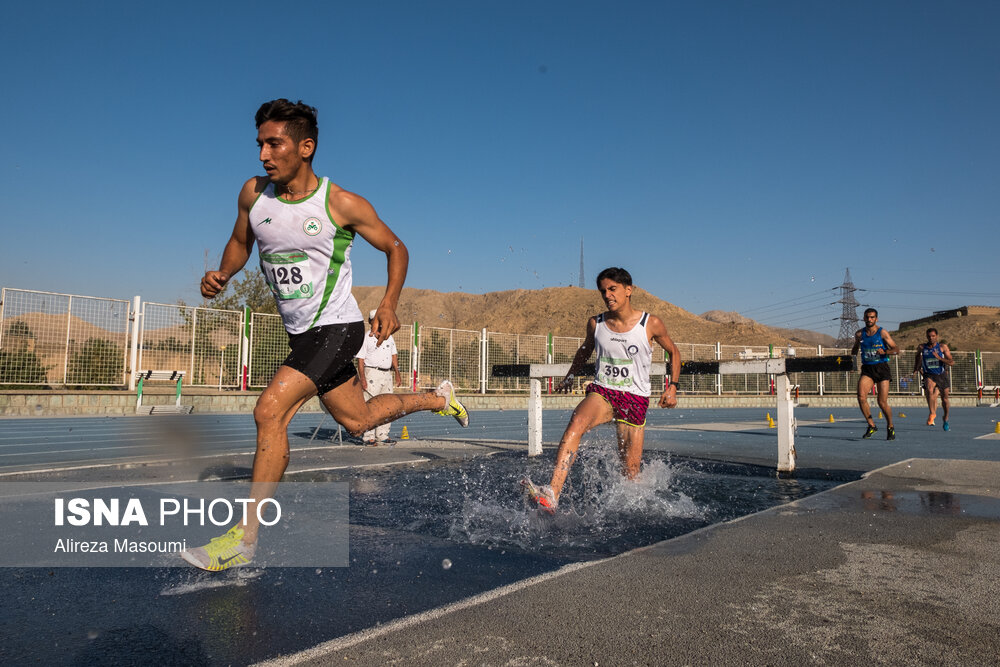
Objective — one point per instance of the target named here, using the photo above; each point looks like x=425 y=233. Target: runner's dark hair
x=871 y=310
x=615 y=273
x=299 y=118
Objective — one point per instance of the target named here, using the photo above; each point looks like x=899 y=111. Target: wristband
x=673 y=384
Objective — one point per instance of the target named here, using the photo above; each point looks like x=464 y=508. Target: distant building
x=962 y=311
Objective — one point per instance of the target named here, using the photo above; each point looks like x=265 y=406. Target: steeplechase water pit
x=601 y=513
x=422 y=535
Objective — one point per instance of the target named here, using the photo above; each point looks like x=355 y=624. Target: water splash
x=601 y=512
x=201 y=581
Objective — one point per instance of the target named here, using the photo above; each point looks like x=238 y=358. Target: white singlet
x=623 y=359
x=306 y=259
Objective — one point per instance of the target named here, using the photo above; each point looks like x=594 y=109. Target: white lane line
x=326 y=648
x=82 y=450
x=128 y=463
x=144 y=434
x=361 y=465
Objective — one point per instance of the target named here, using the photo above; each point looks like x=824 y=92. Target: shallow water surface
x=601 y=513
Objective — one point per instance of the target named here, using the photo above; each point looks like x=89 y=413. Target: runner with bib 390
x=304 y=227
x=876 y=345
x=620 y=392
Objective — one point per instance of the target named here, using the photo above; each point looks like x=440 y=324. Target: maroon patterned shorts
x=628 y=408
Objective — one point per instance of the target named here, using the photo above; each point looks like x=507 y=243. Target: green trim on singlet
x=301 y=201
x=341 y=241
x=255 y=200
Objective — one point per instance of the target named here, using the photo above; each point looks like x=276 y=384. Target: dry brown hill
x=560 y=310
x=724 y=316
x=963 y=334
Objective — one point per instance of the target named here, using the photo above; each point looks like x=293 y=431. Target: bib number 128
x=287 y=274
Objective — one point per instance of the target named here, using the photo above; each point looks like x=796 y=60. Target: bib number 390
x=614 y=372
x=287 y=274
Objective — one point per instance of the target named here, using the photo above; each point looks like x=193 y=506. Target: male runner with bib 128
x=620 y=392
x=304 y=227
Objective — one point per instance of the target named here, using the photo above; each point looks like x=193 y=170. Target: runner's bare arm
x=580 y=360
x=239 y=246
x=857 y=343
x=917 y=365
x=359 y=216
x=887 y=339
x=361 y=374
x=946 y=358
x=658 y=332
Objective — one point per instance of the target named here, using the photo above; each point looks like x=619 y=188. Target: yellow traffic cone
x=767 y=418
x=902 y=415
x=997 y=429
x=405 y=435
x=831 y=417
x=880 y=414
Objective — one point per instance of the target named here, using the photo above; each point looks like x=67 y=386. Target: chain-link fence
x=203 y=342
x=62 y=339
x=448 y=354
x=68 y=340
x=991 y=369
x=268 y=348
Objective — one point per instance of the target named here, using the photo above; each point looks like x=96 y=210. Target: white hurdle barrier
x=780 y=368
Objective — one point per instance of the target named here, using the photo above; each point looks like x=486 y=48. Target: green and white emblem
x=312 y=226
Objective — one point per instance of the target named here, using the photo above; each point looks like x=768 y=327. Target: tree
x=21 y=368
x=21 y=329
x=251 y=290
x=99 y=361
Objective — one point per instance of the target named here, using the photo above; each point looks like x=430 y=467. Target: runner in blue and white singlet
x=934 y=362
x=875 y=345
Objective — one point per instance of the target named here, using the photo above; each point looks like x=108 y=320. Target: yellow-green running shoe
x=222 y=552
x=453 y=407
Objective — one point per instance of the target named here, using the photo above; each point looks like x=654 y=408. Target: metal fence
x=204 y=342
x=62 y=339
x=79 y=341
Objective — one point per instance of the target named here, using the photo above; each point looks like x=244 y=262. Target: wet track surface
x=424 y=533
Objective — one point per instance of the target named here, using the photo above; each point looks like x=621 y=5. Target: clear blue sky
x=732 y=155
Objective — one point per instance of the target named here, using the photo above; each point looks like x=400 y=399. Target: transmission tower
x=581 y=262
x=849 y=322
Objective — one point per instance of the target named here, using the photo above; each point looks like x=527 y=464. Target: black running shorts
x=877 y=372
x=942 y=380
x=326 y=354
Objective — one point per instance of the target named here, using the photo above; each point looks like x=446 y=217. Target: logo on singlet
x=265 y=221
x=312 y=226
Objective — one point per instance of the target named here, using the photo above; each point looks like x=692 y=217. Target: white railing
x=64 y=340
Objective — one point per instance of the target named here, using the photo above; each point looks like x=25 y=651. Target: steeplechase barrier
x=776 y=368
x=166 y=376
